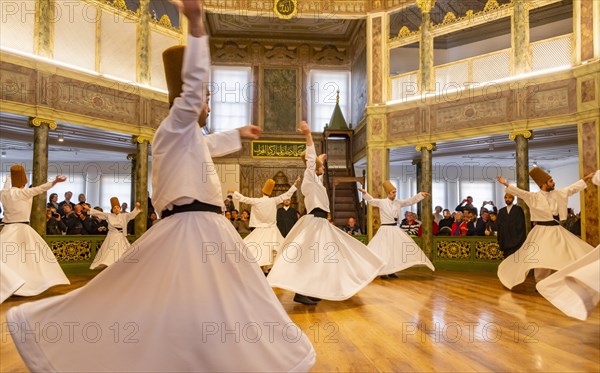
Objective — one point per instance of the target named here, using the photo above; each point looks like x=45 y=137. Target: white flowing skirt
x=114 y=246
x=575 y=289
x=264 y=243
x=546 y=247
x=28 y=255
x=320 y=260
x=182 y=299
x=9 y=282
x=397 y=250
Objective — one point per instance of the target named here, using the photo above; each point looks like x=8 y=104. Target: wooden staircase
x=343 y=196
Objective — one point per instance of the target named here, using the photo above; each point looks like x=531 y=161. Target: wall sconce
x=3 y=154
x=61 y=137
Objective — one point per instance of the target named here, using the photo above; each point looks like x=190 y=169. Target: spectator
x=229 y=206
x=54 y=225
x=124 y=207
x=82 y=201
x=67 y=201
x=466 y=204
x=101 y=225
x=445 y=225
x=351 y=228
x=491 y=228
x=243 y=225
x=437 y=216
x=72 y=221
x=53 y=202
x=152 y=220
x=409 y=224
x=486 y=203
x=235 y=215
x=286 y=217
x=482 y=223
x=228 y=215
x=435 y=227
x=459 y=227
x=89 y=225
x=470 y=218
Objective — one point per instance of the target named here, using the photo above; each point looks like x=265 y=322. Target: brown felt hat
x=173 y=61
x=18 y=178
x=539 y=176
x=114 y=201
x=388 y=186
x=268 y=188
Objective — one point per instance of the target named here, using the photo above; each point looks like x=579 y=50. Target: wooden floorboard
x=424 y=321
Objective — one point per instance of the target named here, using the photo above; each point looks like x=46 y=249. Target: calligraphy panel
x=277 y=149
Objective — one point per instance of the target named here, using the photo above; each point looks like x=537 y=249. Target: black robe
x=511 y=229
x=286 y=220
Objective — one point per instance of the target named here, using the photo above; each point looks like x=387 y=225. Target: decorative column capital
x=425 y=5
x=140 y=139
x=428 y=146
x=36 y=122
x=526 y=134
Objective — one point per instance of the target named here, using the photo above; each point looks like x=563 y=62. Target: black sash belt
x=550 y=223
x=119 y=229
x=390 y=224
x=319 y=213
x=194 y=206
x=17 y=222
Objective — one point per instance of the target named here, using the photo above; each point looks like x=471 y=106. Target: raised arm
x=577 y=187
x=370 y=200
x=412 y=200
x=522 y=194
x=131 y=215
x=282 y=197
x=27 y=193
x=93 y=212
x=240 y=197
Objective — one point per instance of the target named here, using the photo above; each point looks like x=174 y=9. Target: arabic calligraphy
x=274 y=149
x=285 y=8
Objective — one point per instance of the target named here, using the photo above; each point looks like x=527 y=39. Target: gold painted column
x=141 y=184
x=377 y=65
x=40 y=171
x=520 y=46
x=426 y=63
x=426 y=204
x=143 y=44
x=43 y=29
x=586 y=28
x=521 y=138
x=378 y=165
x=589 y=161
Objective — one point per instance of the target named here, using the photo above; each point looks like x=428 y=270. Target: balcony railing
x=479 y=70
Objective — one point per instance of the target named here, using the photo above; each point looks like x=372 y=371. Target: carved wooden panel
x=403 y=122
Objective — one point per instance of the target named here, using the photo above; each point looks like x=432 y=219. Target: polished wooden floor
x=425 y=322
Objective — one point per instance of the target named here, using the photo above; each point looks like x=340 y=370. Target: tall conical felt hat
x=318 y=162
x=539 y=176
x=18 y=178
x=114 y=201
x=268 y=188
x=173 y=61
x=388 y=186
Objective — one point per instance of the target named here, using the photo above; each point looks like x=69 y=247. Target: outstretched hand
x=425 y=194
x=250 y=132
x=138 y=205
x=588 y=177
x=192 y=10
x=362 y=190
x=297 y=182
x=59 y=179
x=304 y=128
x=502 y=180
x=230 y=191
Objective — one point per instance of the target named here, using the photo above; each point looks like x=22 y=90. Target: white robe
x=575 y=289
x=183 y=298
x=546 y=248
x=265 y=241
x=115 y=244
x=319 y=259
x=396 y=248
x=24 y=255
